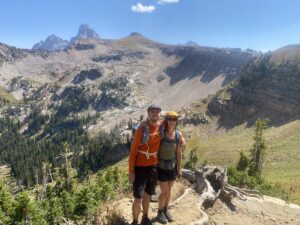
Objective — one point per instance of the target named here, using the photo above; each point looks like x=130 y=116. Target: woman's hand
x=179 y=173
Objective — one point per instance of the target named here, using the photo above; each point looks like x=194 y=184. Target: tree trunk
x=212 y=183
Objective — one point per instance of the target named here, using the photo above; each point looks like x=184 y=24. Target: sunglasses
x=172 y=119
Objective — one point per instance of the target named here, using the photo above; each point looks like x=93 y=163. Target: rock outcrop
x=52 y=43
x=84 y=32
x=268 y=86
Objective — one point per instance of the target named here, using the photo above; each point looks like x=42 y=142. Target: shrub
x=193 y=160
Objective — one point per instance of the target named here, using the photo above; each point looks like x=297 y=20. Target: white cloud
x=167 y=1
x=142 y=8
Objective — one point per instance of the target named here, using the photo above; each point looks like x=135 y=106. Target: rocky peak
x=136 y=34
x=191 y=43
x=52 y=43
x=85 y=31
x=9 y=53
x=55 y=43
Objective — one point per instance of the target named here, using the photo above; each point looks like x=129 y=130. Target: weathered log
x=212 y=183
x=189 y=175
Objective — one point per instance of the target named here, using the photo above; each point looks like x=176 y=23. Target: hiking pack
x=168 y=152
x=168 y=161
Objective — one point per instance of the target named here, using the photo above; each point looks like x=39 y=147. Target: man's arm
x=133 y=152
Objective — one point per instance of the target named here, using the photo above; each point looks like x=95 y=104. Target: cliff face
x=269 y=86
x=9 y=54
x=207 y=62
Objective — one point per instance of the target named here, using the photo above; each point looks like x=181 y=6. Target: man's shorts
x=145 y=180
x=167 y=175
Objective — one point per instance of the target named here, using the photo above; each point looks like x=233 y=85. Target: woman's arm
x=179 y=155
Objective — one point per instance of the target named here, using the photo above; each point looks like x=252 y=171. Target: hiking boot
x=161 y=218
x=168 y=215
x=146 y=221
x=134 y=222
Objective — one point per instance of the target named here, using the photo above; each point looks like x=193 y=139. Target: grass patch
x=282 y=158
x=7 y=96
x=222 y=148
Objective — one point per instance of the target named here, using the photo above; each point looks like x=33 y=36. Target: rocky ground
x=186 y=210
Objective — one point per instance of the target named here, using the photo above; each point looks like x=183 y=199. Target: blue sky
x=258 y=24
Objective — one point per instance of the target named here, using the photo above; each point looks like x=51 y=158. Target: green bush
x=243 y=163
x=193 y=160
x=244 y=179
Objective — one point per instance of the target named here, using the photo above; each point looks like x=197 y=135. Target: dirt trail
x=253 y=211
x=185 y=206
x=186 y=210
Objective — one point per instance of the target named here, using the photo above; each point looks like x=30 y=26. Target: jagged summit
x=85 y=31
x=55 y=43
x=191 y=43
x=136 y=34
x=52 y=43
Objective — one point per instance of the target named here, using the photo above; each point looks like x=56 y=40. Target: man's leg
x=139 y=185
x=136 y=208
x=146 y=203
x=149 y=190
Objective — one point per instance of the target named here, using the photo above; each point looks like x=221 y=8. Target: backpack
x=169 y=164
x=146 y=132
x=145 y=138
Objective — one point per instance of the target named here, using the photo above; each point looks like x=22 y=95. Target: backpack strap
x=145 y=138
x=154 y=154
x=162 y=131
x=177 y=136
x=146 y=131
x=177 y=139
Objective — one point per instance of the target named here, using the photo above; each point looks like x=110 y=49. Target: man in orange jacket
x=143 y=162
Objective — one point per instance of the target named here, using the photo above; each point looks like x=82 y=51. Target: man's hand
x=131 y=177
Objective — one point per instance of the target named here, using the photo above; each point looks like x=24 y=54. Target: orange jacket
x=137 y=158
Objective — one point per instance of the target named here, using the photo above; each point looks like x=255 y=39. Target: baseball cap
x=172 y=114
x=153 y=106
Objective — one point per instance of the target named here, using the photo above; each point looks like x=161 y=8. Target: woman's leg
x=167 y=214
x=164 y=188
x=161 y=218
x=168 y=194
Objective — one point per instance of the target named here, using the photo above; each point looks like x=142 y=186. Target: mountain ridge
x=146 y=64
x=268 y=87
x=55 y=43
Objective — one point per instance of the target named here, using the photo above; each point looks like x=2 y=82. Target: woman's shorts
x=167 y=175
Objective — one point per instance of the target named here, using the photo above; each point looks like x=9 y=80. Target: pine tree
x=258 y=149
x=26 y=211
x=84 y=202
x=5 y=204
x=52 y=206
x=68 y=204
x=243 y=163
